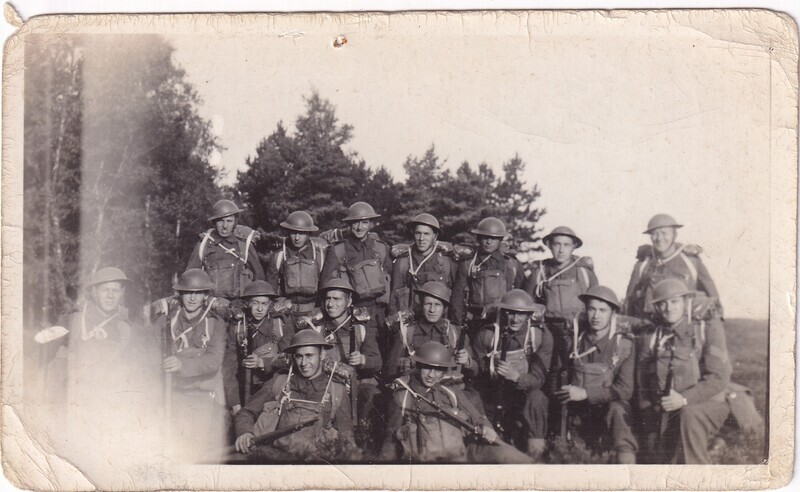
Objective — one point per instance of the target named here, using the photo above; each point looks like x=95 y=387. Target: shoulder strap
x=319 y=253
x=206 y=239
x=584 y=277
x=690 y=266
x=247 y=244
x=338 y=250
x=642 y=266
x=406 y=335
x=452 y=335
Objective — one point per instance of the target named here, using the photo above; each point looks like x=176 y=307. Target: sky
x=615 y=125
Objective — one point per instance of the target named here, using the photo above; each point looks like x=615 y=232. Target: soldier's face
x=562 y=248
x=432 y=309
x=193 y=301
x=672 y=310
x=108 y=295
x=663 y=238
x=599 y=314
x=225 y=226
x=308 y=361
x=259 y=306
x=337 y=302
x=298 y=239
x=488 y=244
x=360 y=228
x=515 y=320
x=430 y=376
x=424 y=237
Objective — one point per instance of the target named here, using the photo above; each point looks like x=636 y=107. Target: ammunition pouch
x=300 y=276
x=486 y=287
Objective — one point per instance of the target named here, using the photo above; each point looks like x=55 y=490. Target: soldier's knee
x=690 y=414
x=617 y=410
x=537 y=399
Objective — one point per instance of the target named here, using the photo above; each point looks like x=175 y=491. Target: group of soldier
x=429 y=351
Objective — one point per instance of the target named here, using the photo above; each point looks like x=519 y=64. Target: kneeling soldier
x=254 y=343
x=683 y=372
x=429 y=422
x=309 y=403
x=514 y=354
x=602 y=377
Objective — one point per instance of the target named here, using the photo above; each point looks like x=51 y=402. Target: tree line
x=117 y=172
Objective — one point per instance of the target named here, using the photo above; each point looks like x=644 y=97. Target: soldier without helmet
x=603 y=360
x=483 y=279
x=666 y=258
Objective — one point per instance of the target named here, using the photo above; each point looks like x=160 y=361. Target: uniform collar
x=358 y=244
x=440 y=326
x=317 y=383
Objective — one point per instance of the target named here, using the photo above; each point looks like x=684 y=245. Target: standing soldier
x=558 y=282
x=195 y=347
x=601 y=386
x=365 y=261
x=310 y=403
x=352 y=336
x=295 y=269
x=483 y=279
x=666 y=259
x=430 y=422
x=226 y=252
x=423 y=261
x=514 y=353
x=259 y=336
x=683 y=371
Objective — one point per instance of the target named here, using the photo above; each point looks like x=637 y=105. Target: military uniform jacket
x=413 y=269
x=604 y=367
x=684 y=264
x=529 y=351
x=350 y=257
x=294 y=273
x=232 y=263
x=417 y=332
x=419 y=432
x=559 y=288
x=339 y=334
x=481 y=281
x=701 y=367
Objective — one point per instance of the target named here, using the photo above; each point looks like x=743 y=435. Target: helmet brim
x=484 y=233
x=549 y=237
x=685 y=293
x=442 y=365
x=356 y=219
x=586 y=298
x=674 y=226
x=290 y=227
x=423 y=292
x=291 y=348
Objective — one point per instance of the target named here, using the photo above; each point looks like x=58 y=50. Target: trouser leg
x=698 y=423
x=618 y=422
x=534 y=414
x=493 y=453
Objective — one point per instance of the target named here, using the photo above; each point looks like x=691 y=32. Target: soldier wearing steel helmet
x=425 y=260
x=254 y=343
x=683 y=372
x=514 y=356
x=433 y=422
x=311 y=389
x=665 y=258
x=195 y=341
x=601 y=385
x=294 y=270
x=226 y=252
x=483 y=279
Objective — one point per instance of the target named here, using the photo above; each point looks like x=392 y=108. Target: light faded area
x=618 y=115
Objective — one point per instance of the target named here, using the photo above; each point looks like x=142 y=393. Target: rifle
x=167 y=350
x=501 y=407
x=244 y=345
x=273 y=436
x=353 y=379
x=662 y=430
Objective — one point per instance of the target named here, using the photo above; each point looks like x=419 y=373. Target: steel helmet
x=338 y=283
x=661 y=220
x=603 y=293
x=307 y=338
x=425 y=219
x=223 y=208
x=518 y=300
x=193 y=280
x=360 y=211
x=259 y=288
x=492 y=227
x=434 y=354
x=437 y=290
x=563 y=231
x=107 y=274
x=299 y=221
x=670 y=288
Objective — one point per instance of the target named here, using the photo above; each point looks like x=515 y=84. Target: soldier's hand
x=235 y=409
x=462 y=357
x=571 y=393
x=675 y=401
x=356 y=359
x=253 y=361
x=172 y=364
x=505 y=369
x=405 y=365
x=245 y=442
x=489 y=434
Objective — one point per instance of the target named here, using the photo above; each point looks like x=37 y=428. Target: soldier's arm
x=245 y=419
x=530 y=285
x=480 y=347
x=210 y=361
x=622 y=386
x=704 y=281
x=230 y=366
x=540 y=363
x=369 y=349
x=194 y=258
x=387 y=258
x=395 y=354
x=592 y=277
x=343 y=420
x=519 y=274
x=398 y=282
x=272 y=275
x=391 y=448
x=457 y=307
x=331 y=264
x=630 y=293
x=287 y=325
x=642 y=357
x=470 y=370
x=717 y=364
x=472 y=412
x=254 y=263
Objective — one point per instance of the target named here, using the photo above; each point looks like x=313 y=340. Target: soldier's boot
x=536 y=446
x=626 y=457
